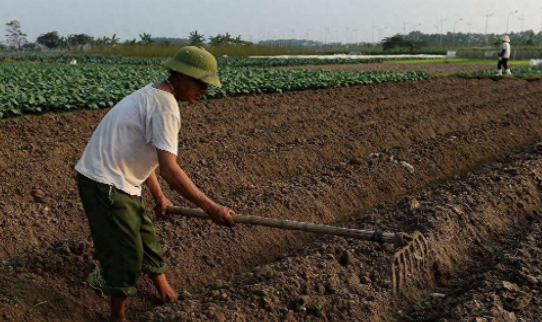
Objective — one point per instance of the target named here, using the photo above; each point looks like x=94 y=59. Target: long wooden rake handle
x=399 y=239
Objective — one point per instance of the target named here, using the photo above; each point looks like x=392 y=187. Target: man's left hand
x=162 y=204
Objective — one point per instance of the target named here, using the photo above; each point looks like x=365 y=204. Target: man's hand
x=162 y=204
x=221 y=215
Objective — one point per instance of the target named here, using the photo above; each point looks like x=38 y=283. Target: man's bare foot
x=167 y=294
x=170 y=296
x=118 y=306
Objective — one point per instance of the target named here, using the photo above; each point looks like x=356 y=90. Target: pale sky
x=264 y=19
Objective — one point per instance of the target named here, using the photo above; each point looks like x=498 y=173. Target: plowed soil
x=322 y=156
x=435 y=69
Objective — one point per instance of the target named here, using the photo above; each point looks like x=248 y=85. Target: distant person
x=504 y=56
x=136 y=136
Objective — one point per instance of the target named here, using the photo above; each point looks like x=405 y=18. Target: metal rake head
x=409 y=261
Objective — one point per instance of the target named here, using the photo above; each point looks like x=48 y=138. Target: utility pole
x=454 y=29
x=374 y=27
x=356 y=32
x=508 y=21
x=404 y=28
x=381 y=33
x=347 y=35
x=325 y=35
x=470 y=31
x=522 y=22
x=415 y=27
x=441 y=30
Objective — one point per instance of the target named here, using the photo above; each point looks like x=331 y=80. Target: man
x=136 y=136
x=504 y=56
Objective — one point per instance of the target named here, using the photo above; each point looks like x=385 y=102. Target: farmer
x=136 y=136
x=504 y=56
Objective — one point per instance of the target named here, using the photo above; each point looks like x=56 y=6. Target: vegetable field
x=38 y=87
x=333 y=156
x=222 y=61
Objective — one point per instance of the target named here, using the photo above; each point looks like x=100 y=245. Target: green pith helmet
x=195 y=62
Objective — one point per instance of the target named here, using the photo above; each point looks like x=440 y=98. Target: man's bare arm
x=154 y=186
x=180 y=182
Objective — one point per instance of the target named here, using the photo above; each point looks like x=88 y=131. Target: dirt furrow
x=248 y=114
x=435 y=69
x=334 y=279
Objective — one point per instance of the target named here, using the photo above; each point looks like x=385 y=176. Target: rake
x=410 y=259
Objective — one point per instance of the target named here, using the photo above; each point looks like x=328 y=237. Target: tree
x=399 y=41
x=114 y=40
x=227 y=40
x=49 y=40
x=216 y=40
x=132 y=42
x=29 y=46
x=79 y=40
x=146 y=39
x=14 y=34
x=196 y=39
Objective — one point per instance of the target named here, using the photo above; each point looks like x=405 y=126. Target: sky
x=267 y=19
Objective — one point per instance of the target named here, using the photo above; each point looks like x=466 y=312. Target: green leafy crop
x=27 y=88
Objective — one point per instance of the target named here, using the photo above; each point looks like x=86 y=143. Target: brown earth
x=485 y=234
x=321 y=156
x=435 y=69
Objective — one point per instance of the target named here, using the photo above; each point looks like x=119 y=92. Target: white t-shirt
x=122 y=150
x=506 y=48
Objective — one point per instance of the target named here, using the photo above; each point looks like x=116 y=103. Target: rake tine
x=407 y=268
x=419 y=247
x=411 y=259
x=393 y=278
x=398 y=271
x=402 y=274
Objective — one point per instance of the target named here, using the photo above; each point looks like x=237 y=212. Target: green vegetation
x=399 y=41
x=222 y=61
x=459 y=61
x=528 y=73
x=34 y=88
x=283 y=62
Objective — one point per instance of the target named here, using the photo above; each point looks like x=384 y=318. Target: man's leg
x=118 y=306
x=505 y=63
x=114 y=223
x=499 y=68
x=153 y=259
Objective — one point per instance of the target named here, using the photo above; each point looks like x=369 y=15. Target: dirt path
x=435 y=69
x=318 y=156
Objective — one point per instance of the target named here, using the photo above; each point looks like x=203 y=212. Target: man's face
x=190 y=89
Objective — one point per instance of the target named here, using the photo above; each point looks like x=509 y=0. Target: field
x=328 y=155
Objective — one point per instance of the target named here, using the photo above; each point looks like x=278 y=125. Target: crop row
x=35 y=88
x=54 y=57
x=526 y=71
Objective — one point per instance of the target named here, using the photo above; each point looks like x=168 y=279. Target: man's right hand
x=221 y=215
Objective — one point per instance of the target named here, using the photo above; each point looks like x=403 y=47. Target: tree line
x=17 y=39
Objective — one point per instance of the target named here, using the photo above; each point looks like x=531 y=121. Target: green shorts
x=124 y=238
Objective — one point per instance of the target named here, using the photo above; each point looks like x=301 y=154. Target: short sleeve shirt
x=506 y=49
x=122 y=150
